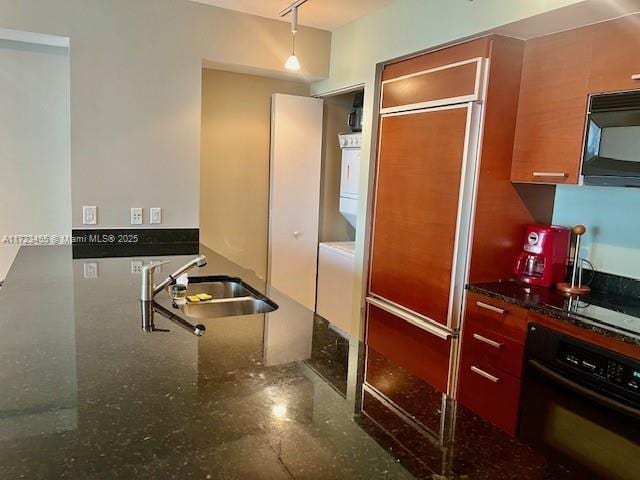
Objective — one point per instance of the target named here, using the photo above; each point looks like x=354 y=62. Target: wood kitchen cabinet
x=552 y=108
x=615 y=56
x=559 y=73
x=491 y=360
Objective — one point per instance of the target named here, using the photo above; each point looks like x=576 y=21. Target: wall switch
x=89 y=215
x=91 y=270
x=155 y=215
x=136 y=216
x=136 y=266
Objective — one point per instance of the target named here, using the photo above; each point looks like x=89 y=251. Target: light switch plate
x=136 y=216
x=155 y=215
x=91 y=270
x=89 y=215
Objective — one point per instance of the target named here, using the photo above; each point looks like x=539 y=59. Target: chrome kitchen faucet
x=149 y=290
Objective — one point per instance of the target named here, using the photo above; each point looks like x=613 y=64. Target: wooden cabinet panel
x=433 y=86
x=492 y=394
x=552 y=108
x=417 y=351
x=503 y=208
x=416 y=209
x=437 y=58
x=493 y=350
x=494 y=315
x=616 y=55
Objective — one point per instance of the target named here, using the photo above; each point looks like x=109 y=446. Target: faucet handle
x=150 y=267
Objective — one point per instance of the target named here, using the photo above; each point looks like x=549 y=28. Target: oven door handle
x=576 y=387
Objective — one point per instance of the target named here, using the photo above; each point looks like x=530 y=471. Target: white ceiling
x=324 y=14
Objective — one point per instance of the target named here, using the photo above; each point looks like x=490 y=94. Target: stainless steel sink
x=231 y=297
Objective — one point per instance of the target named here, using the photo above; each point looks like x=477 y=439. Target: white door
x=296 y=155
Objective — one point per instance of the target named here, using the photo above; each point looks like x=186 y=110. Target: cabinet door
x=420 y=166
x=296 y=145
x=350 y=172
x=616 y=55
x=552 y=108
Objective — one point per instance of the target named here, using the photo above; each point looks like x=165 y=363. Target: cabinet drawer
x=419 y=352
x=459 y=82
x=496 y=316
x=493 y=350
x=491 y=394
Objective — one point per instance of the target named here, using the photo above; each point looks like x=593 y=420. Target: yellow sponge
x=204 y=296
x=193 y=298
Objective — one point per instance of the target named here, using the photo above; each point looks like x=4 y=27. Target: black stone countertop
x=87 y=395
x=594 y=311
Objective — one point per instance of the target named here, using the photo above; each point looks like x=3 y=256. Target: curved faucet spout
x=149 y=290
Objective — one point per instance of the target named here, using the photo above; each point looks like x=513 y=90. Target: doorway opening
x=279 y=186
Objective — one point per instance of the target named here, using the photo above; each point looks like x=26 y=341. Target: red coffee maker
x=544 y=259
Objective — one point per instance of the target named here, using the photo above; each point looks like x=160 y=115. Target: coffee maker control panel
x=533 y=243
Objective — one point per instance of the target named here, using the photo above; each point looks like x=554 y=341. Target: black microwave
x=612 y=142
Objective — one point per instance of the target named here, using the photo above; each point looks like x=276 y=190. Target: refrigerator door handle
x=413 y=319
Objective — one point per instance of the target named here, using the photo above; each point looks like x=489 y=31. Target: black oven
x=612 y=143
x=581 y=406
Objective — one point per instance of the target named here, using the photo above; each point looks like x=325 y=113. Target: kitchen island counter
x=86 y=394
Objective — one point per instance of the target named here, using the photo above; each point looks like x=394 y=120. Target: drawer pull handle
x=484 y=374
x=550 y=174
x=488 y=341
x=635 y=77
x=486 y=306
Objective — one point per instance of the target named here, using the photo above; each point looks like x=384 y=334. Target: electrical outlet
x=91 y=270
x=136 y=216
x=136 y=266
x=155 y=215
x=89 y=215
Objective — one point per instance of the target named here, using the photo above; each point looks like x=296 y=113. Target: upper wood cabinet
x=615 y=55
x=552 y=108
x=559 y=73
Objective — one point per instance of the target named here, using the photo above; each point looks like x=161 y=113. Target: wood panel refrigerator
x=420 y=237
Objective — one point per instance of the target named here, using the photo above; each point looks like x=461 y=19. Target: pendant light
x=292 y=62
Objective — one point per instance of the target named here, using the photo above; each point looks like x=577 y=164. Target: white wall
x=136 y=68
x=35 y=176
x=401 y=28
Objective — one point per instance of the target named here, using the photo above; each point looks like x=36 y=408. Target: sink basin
x=231 y=297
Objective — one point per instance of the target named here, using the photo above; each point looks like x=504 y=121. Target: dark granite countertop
x=86 y=394
x=609 y=314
